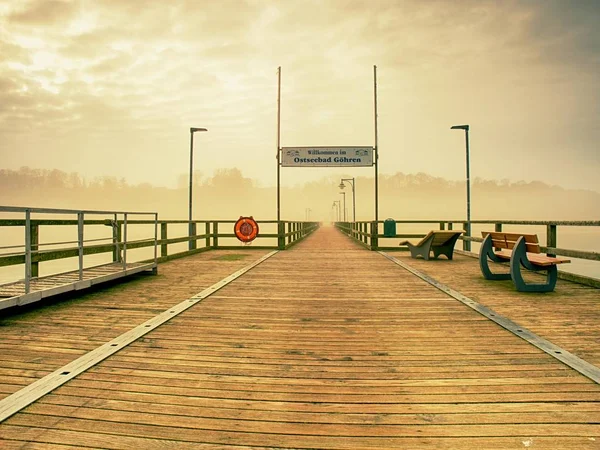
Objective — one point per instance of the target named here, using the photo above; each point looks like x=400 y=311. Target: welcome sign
x=327 y=156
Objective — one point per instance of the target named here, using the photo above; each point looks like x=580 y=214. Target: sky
x=112 y=87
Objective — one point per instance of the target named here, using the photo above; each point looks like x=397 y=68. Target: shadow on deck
x=326 y=345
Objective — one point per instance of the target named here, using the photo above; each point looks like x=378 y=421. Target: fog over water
x=229 y=195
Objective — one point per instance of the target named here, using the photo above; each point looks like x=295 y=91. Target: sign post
x=349 y=156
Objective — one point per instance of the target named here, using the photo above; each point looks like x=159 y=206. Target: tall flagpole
x=376 y=148
x=278 y=145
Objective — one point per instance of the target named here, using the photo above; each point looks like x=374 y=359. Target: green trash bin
x=389 y=228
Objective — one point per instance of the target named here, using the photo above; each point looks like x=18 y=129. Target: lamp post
x=342 y=186
x=192 y=244
x=344 y=194
x=468 y=230
x=307 y=213
x=336 y=204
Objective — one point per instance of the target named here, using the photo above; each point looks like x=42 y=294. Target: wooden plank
x=509 y=240
x=26 y=396
x=102 y=439
x=583 y=367
x=535 y=258
x=14 y=293
x=568 y=316
x=300 y=354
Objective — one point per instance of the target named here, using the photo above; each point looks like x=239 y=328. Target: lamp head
x=460 y=127
x=193 y=130
x=342 y=185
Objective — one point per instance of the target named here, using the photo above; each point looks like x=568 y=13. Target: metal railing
x=219 y=234
x=31 y=252
x=370 y=235
x=174 y=240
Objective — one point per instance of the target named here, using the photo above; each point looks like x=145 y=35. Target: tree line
x=228 y=194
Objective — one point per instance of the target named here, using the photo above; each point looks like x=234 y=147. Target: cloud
x=45 y=13
x=136 y=75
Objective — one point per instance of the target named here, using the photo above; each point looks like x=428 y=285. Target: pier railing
x=82 y=233
x=219 y=234
x=385 y=235
x=34 y=237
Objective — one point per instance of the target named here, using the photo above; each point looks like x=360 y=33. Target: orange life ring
x=246 y=229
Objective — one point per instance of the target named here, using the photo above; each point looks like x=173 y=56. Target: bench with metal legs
x=440 y=242
x=522 y=253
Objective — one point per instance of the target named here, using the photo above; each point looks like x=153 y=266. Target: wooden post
x=442 y=226
x=163 y=237
x=34 y=232
x=467 y=244
x=281 y=235
x=551 y=237
x=117 y=236
x=498 y=229
x=207 y=233
x=215 y=234
x=374 y=235
x=192 y=233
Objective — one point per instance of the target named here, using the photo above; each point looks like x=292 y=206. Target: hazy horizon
x=106 y=88
x=229 y=194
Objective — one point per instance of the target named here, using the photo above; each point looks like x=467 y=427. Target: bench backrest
x=508 y=240
x=441 y=237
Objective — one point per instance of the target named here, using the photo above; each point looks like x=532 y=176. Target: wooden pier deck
x=326 y=345
x=15 y=293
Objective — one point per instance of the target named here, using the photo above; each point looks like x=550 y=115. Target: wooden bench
x=439 y=241
x=521 y=250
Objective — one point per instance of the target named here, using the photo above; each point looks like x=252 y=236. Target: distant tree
x=56 y=179
x=183 y=180
x=74 y=181
x=230 y=180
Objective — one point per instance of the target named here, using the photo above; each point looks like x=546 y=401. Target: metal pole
x=344 y=194
x=156 y=239
x=80 y=242
x=353 y=202
x=376 y=148
x=27 y=250
x=190 y=246
x=125 y=241
x=278 y=144
x=468 y=192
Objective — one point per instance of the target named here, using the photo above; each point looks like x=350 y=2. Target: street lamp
x=336 y=204
x=344 y=194
x=192 y=244
x=342 y=186
x=468 y=230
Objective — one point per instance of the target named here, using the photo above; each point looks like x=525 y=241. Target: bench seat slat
x=509 y=240
x=538 y=259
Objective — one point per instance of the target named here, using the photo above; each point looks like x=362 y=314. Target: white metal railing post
x=124 y=241
x=80 y=242
x=27 y=250
x=155 y=238
x=116 y=238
